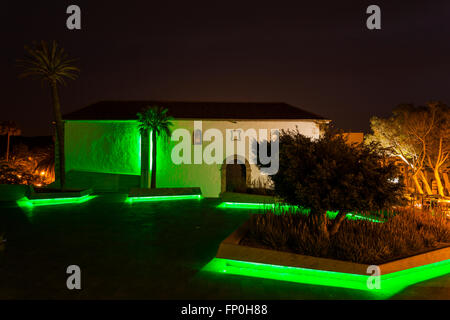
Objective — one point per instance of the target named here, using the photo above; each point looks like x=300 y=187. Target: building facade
x=103 y=144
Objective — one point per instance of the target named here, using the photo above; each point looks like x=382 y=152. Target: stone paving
x=149 y=250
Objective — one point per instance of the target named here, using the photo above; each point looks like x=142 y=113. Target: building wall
x=104 y=147
x=354 y=137
x=105 y=155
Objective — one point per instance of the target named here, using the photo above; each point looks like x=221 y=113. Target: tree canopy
x=328 y=174
x=419 y=136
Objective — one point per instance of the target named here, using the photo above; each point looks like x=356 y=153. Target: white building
x=103 y=145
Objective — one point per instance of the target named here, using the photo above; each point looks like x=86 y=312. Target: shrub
x=328 y=174
x=408 y=232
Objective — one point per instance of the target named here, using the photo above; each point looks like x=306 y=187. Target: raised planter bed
x=234 y=258
x=163 y=194
x=47 y=196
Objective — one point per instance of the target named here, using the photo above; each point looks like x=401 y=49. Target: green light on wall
x=54 y=201
x=111 y=146
x=390 y=283
x=265 y=206
x=163 y=198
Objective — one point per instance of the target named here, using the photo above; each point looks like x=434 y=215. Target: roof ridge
x=127 y=109
x=194 y=101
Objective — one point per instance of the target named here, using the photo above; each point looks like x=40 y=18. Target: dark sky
x=317 y=55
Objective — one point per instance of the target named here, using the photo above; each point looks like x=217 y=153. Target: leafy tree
x=156 y=121
x=52 y=65
x=438 y=143
x=405 y=134
x=9 y=128
x=328 y=174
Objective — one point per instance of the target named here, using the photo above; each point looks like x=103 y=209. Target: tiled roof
x=127 y=110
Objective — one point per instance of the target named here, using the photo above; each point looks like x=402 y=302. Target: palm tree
x=51 y=64
x=9 y=128
x=155 y=120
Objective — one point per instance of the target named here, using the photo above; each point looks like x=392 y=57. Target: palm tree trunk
x=59 y=133
x=145 y=159
x=154 y=145
x=7 y=148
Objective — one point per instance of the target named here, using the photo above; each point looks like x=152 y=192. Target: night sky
x=317 y=55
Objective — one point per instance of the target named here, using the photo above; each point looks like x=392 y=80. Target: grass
x=406 y=233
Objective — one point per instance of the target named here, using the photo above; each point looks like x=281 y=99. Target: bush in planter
x=408 y=232
x=328 y=174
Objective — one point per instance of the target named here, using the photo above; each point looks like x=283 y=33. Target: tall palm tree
x=9 y=128
x=156 y=121
x=52 y=65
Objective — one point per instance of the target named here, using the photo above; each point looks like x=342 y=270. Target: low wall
x=101 y=182
x=246 y=198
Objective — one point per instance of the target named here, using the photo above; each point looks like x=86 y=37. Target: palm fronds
x=48 y=63
x=155 y=119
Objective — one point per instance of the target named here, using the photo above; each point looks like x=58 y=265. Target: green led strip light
x=54 y=201
x=163 y=198
x=390 y=283
x=248 y=205
x=262 y=206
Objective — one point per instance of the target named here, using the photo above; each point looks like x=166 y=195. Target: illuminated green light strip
x=353 y=216
x=250 y=205
x=390 y=283
x=262 y=206
x=54 y=201
x=163 y=198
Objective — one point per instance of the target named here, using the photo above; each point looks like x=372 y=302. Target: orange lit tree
x=438 y=146
x=52 y=65
x=404 y=134
x=419 y=136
